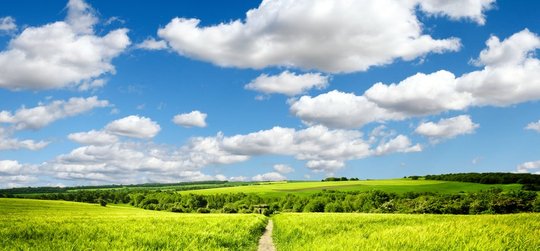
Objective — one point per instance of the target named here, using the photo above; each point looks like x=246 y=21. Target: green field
x=58 y=225
x=326 y=231
x=392 y=185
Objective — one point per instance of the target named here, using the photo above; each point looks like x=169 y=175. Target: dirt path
x=266 y=243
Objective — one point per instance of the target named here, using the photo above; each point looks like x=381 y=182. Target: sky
x=110 y=92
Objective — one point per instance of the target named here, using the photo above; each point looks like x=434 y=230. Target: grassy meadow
x=59 y=225
x=276 y=189
x=326 y=231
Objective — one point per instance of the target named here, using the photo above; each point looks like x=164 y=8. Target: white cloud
x=282 y=168
x=458 y=9
x=447 y=128
x=7 y=24
x=17 y=181
x=288 y=83
x=10 y=166
x=194 y=118
x=420 y=94
x=511 y=72
x=529 y=167
x=325 y=165
x=399 y=144
x=272 y=176
x=93 y=137
x=42 y=115
x=534 y=126
x=134 y=126
x=61 y=54
x=330 y=36
x=9 y=143
x=511 y=75
x=16 y=144
x=15 y=174
x=152 y=44
x=340 y=110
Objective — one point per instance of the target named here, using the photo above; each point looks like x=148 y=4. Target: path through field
x=266 y=243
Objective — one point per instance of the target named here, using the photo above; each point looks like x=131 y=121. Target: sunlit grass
x=392 y=185
x=58 y=225
x=325 y=231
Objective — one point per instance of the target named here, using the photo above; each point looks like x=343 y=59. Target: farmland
x=59 y=225
x=328 y=231
x=276 y=189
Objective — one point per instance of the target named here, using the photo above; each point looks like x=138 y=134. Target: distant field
x=58 y=225
x=326 y=231
x=393 y=185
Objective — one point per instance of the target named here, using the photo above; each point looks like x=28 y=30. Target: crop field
x=326 y=231
x=392 y=185
x=58 y=225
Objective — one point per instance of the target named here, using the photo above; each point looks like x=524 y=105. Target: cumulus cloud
x=288 y=83
x=152 y=44
x=529 y=167
x=10 y=166
x=282 y=168
x=61 y=54
x=15 y=174
x=535 y=126
x=134 y=126
x=458 y=9
x=324 y=149
x=447 y=128
x=420 y=94
x=399 y=144
x=106 y=159
x=272 y=176
x=16 y=144
x=340 y=110
x=511 y=72
x=192 y=119
x=44 y=114
x=325 y=165
x=510 y=75
x=93 y=137
x=330 y=36
x=7 y=24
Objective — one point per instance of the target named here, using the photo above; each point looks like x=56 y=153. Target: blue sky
x=102 y=92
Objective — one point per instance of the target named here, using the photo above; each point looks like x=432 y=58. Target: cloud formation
x=283 y=168
x=44 y=114
x=447 y=128
x=510 y=75
x=192 y=119
x=61 y=54
x=535 y=126
x=134 y=126
x=529 y=167
x=288 y=83
x=329 y=36
x=93 y=137
x=7 y=24
x=152 y=44
x=458 y=9
x=271 y=176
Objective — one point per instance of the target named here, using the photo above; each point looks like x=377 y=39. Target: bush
x=203 y=210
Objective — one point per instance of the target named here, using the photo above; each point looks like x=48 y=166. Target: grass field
x=325 y=231
x=393 y=185
x=58 y=225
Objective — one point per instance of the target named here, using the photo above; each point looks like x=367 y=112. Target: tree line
x=493 y=201
x=529 y=181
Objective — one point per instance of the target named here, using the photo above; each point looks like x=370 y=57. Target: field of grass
x=58 y=225
x=392 y=185
x=326 y=231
